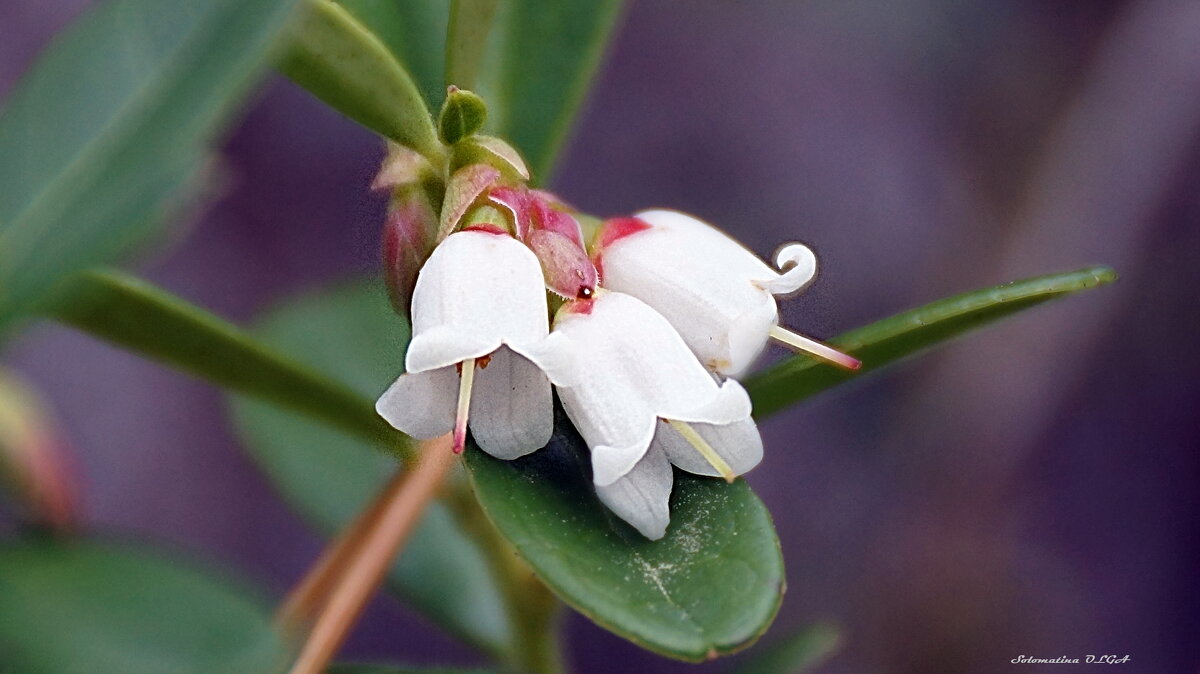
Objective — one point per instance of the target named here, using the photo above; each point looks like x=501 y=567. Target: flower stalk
x=332 y=596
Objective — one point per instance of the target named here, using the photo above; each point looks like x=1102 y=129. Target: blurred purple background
x=1030 y=490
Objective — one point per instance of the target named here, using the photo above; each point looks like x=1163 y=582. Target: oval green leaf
x=110 y=124
x=884 y=342
x=71 y=607
x=711 y=586
x=352 y=336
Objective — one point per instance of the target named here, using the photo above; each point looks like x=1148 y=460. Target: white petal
x=641 y=498
x=798 y=267
x=512 y=412
x=627 y=348
x=421 y=404
x=442 y=346
x=478 y=290
x=739 y=443
x=706 y=284
x=730 y=405
x=631 y=369
x=616 y=427
x=557 y=357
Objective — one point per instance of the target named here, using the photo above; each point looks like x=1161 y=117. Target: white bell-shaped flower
x=717 y=294
x=479 y=321
x=641 y=401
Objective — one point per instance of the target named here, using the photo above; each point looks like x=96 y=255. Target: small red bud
x=566 y=266
x=407 y=243
x=34 y=457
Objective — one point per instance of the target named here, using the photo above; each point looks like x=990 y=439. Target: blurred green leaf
x=538 y=67
x=356 y=343
x=796 y=653
x=466 y=40
x=73 y=607
x=136 y=315
x=891 y=339
x=346 y=65
x=711 y=586
x=109 y=125
x=415 y=32
x=352 y=336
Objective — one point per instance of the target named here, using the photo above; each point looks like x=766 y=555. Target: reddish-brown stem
x=332 y=595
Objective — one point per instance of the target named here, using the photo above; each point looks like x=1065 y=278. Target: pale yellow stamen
x=465 y=382
x=701 y=445
x=802 y=343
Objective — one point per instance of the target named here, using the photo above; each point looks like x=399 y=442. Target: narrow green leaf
x=415 y=32
x=796 y=653
x=539 y=65
x=466 y=40
x=352 y=336
x=109 y=125
x=72 y=607
x=891 y=339
x=711 y=586
x=136 y=315
x=346 y=65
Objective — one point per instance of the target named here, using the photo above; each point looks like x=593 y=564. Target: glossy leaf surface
x=891 y=339
x=711 y=586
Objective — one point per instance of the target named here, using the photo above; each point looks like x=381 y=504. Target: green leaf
x=463 y=114
x=73 y=607
x=796 y=653
x=711 y=586
x=466 y=40
x=891 y=339
x=133 y=314
x=352 y=336
x=539 y=65
x=415 y=32
x=357 y=341
x=346 y=65
x=109 y=126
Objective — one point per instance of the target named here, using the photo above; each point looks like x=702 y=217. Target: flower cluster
x=651 y=323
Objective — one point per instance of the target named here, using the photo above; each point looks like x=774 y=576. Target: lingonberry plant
x=550 y=367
